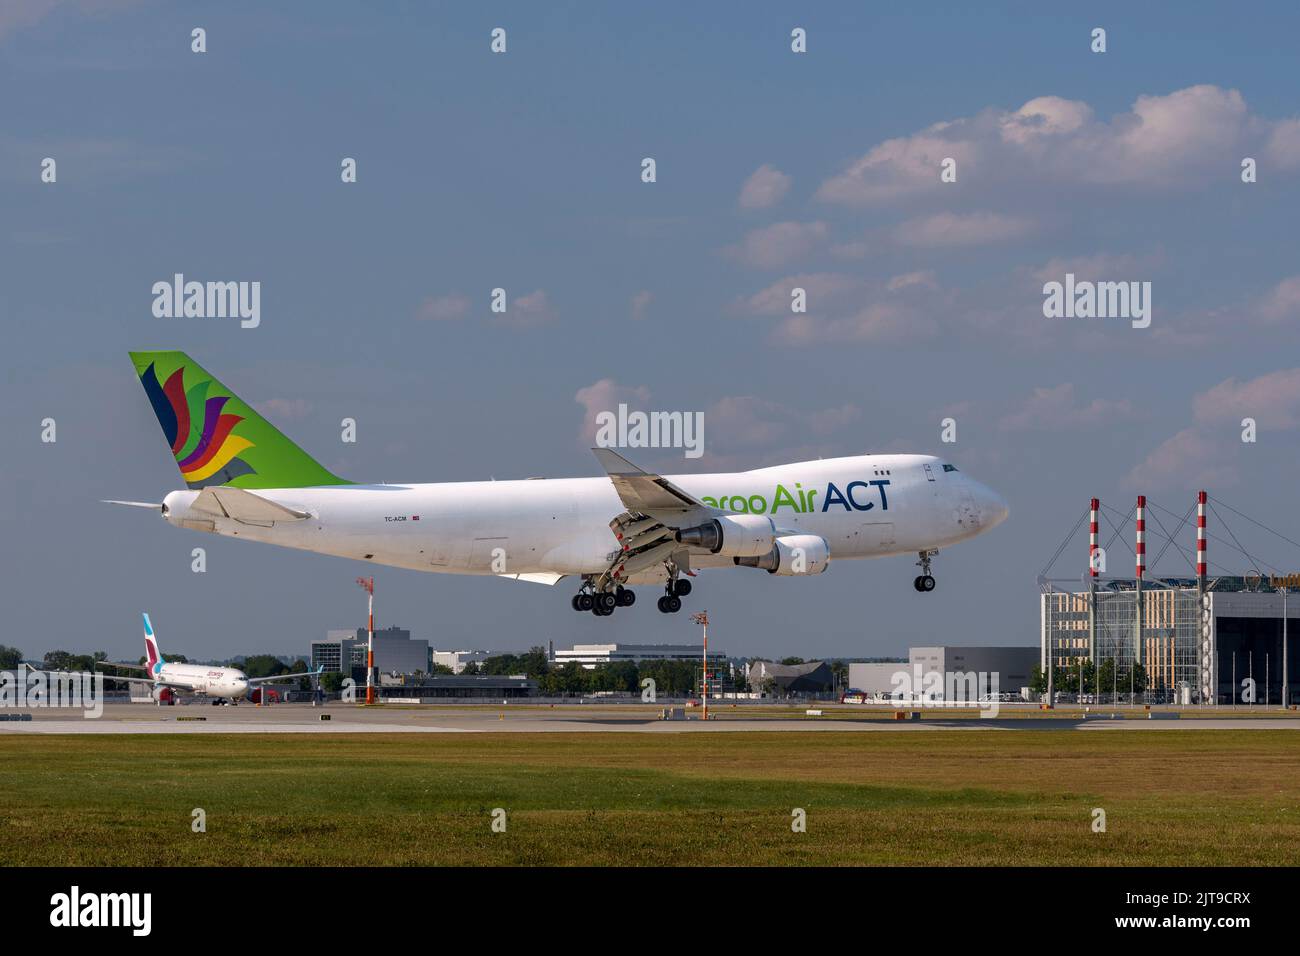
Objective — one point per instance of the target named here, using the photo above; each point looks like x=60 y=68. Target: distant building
x=814 y=677
x=334 y=653
x=1013 y=666
x=589 y=655
x=1195 y=649
x=395 y=652
x=875 y=678
x=456 y=660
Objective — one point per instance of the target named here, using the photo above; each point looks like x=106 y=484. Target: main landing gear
x=924 y=581
x=677 y=589
x=603 y=603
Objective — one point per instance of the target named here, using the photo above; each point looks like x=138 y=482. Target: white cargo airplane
x=630 y=527
x=228 y=683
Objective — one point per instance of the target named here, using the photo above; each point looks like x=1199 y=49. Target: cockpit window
x=949 y=467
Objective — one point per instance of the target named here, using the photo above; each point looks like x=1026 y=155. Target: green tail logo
x=216 y=438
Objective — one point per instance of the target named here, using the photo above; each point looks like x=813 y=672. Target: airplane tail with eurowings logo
x=153 y=655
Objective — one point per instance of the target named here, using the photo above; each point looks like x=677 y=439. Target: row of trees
x=672 y=678
x=1109 y=677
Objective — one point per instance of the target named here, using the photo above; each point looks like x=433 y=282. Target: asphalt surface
x=568 y=718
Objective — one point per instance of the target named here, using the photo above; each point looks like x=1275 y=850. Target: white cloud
x=1057 y=408
x=778 y=244
x=1283 y=149
x=1187 y=461
x=824 y=290
x=877 y=322
x=766 y=186
x=1189 y=136
x=283 y=409
x=1283 y=301
x=955 y=229
x=444 y=308
x=528 y=310
x=605 y=395
x=1273 y=400
x=640 y=303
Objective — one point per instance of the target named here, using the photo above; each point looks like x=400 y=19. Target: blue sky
x=522 y=171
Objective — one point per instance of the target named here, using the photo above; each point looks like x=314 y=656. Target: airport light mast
x=368 y=584
x=702 y=618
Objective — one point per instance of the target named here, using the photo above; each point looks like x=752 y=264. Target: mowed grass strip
x=940 y=797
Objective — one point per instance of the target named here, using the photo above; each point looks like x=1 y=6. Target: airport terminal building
x=1194 y=648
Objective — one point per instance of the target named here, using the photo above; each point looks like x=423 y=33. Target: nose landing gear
x=924 y=582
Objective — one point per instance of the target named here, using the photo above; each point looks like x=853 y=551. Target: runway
x=573 y=718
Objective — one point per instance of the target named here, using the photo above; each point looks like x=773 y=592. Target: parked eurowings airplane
x=209 y=681
x=630 y=527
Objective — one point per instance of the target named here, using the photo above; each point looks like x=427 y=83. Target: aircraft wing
x=236 y=503
x=656 y=508
x=131 y=667
x=645 y=493
x=276 y=677
x=150 y=681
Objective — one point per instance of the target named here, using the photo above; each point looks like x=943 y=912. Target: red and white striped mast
x=1094 y=559
x=1092 y=537
x=1208 y=690
x=702 y=619
x=1140 y=550
x=368 y=584
x=1200 y=541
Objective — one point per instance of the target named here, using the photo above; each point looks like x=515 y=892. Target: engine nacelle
x=163 y=695
x=735 y=536
x=793 y=554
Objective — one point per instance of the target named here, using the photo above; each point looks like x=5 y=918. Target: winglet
x=616 y=464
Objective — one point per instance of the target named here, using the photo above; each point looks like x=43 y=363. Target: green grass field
x=947 y=797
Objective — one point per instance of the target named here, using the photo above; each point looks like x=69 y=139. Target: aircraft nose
x=993 y=507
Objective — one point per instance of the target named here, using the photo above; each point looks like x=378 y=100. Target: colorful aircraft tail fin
x=215 y=437
x=153 y=655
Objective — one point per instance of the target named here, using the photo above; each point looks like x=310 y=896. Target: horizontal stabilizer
x=225 y=502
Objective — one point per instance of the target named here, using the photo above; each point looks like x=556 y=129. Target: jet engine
x=733 y=536
x=792 y=554
x=163 y=695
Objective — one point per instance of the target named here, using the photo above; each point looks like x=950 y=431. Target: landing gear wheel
x=672 y=603
x=625 y=597
x=916 y=583
x=682 y=587
x=586 y=602
x=924 y=581
x=575 y=602
x=600 y=611
x=663 y=604
x=606 y=601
